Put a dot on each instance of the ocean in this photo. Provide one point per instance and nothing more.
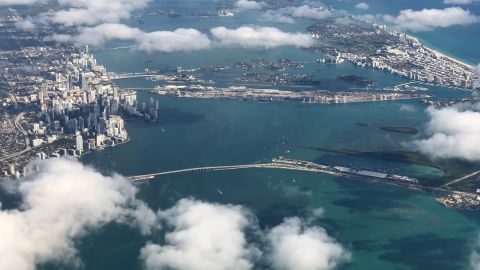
(384, 227)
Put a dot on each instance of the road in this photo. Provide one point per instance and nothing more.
(460, 179)
(18, 118)
(272, 165)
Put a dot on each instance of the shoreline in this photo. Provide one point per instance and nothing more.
(451, 58)
(439, 53)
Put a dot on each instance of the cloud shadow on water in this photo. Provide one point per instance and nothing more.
(429, 252)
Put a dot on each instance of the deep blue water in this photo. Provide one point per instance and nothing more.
(384, 227)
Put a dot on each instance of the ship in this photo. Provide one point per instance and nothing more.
(225, 13)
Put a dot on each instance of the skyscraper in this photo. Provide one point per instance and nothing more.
(79, 143)
(69, 82)
(83, 81)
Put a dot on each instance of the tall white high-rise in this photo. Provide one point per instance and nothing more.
(79, 142)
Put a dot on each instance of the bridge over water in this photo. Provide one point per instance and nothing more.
(307, 166)
(151, 176)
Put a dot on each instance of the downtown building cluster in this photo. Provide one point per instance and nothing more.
(66, 103)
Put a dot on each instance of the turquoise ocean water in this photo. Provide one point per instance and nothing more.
(384, 227)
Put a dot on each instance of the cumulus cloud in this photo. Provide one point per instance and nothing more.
(296, 246)
(458, 2)
(429, 19)
(275, 16)
(454, 134)
(187, 39)
(477, 69)
(17, 2)
(169, 41)
(287, 14)
(249, 5)
(259, 37)
(202, 236)
(66, 200)
(101, 34)
(181, 39)
(87, 12)
(59, 205)
(309, 12)
(362, 5)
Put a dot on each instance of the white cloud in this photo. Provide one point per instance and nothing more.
(170, 41)
(59, 205)
(275, 16)
(188, 39)
(309, 12)
(458, 2)
(362, 5)
(477, 69)
(287, 14)
(475, 256)
(296, 246)
(17, 2)
(101, 34)
(65, 201)
(259, 37)
(454, 134)
(162, 41)
(203, 236)
(407, 108)
(249, 5)
(87, 12)
(429, 19)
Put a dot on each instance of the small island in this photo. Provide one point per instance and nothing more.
(403, 130)
(356, 80)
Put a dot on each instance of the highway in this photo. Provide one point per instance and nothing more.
(18, 118)
(298, 165)
(460, 179)
(272, 165)
(121, 76)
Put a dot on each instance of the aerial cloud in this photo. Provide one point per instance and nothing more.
(83, 12)
(59, 205)
(65, 201)
(459, 2)
(477, 69)
(249, 5)
(287, 14)
(429, 19)
(259, 37)
(181, 39)
(202, 236)
(187, 39)
(297, 246)
(454, 134)
(17, 2)
(309, 12)
(278, 17)
(362, 5)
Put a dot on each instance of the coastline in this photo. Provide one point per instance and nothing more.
(451, 58)
(439, 53)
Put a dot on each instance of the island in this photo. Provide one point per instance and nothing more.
(403, 130)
